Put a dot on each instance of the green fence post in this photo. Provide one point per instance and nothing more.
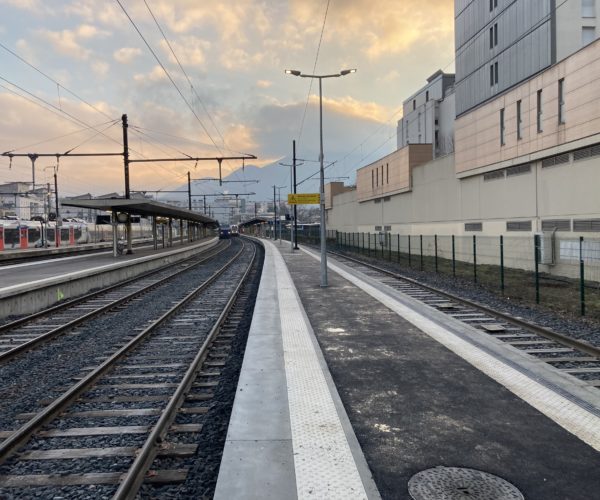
(502, 264)
(475, 258)
(436, 259)
(536, 247)
(421, 249)
(453, 258)
(581, 276)
(409, 253)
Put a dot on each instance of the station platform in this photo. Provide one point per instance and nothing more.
(349, 391)
(68, 276)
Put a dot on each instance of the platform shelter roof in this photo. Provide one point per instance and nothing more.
(253, 222)
(141, 207)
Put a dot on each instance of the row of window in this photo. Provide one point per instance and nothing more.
(578, 225)
(551, 161)
(375, 176)
(539, 113)
(507, 172)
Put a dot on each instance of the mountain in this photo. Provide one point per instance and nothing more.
(267, 176)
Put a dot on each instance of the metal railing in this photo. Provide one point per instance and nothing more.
(561, 272)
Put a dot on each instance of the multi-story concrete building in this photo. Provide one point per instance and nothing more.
(428, 115)
(526, 153)
(17, 198)
(500, 43)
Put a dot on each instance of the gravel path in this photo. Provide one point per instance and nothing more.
(53, 366)
(578, 328)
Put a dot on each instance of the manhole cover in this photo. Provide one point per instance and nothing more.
(455, 483)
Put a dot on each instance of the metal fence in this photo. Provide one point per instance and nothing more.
(560, 272)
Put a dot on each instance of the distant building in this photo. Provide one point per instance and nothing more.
(17, 198)
(428, 115)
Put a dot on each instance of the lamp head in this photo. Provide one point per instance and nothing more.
(347, 71)
(292, 72)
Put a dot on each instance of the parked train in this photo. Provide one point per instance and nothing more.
(21, 234)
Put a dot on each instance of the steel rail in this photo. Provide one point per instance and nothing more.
(51, 334)
(21, 435)
(78, 300)
(579, 345)
(145, 456)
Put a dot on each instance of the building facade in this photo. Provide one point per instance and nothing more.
(526, 159)
(428, 115)
(500, 43)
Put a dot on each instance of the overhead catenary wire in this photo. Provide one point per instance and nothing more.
(59, 85)
(314, 70)
(168, 74)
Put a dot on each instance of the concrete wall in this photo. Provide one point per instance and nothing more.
(477, 133)
(571, 18)
(441, 203)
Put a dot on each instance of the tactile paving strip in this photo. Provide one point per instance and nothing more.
(324, 464)
(573, 418)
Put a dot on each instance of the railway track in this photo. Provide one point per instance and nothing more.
(141, 405)
(33, 330)
(571, 356)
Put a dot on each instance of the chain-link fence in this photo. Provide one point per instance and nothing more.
(558, 271)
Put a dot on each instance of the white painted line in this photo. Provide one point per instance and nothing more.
(573, 418)
(55, 260)
(94, 270)
(325, 467)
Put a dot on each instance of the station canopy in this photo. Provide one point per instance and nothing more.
(141, 207)
(253, 222)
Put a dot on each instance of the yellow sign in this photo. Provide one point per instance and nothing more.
(304, 199)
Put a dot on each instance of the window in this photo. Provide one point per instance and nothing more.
(493, 36)
(491, 75)
(588, 8)
(539, 112)
(387, 173)
(518, 170)
(556, 225)
(586, 225)
(561, 100)
(492, 176)
(377, 177)
(493, 4)
(552, 161)
(496, 72)
(382, 175)
(519, 122)
(588, 35)
(521, 225)
(414, 104)
(502, 127)
(427, 96)
(372, 180)
(473, 226)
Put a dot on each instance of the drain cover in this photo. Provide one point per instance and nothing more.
(455, 483)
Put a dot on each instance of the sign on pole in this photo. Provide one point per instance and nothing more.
(304, 199)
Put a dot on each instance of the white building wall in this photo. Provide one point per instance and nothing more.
(427, 112)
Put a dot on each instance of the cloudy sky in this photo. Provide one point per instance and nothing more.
(88, 65)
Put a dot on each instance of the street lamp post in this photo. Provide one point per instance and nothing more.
(323, 230)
